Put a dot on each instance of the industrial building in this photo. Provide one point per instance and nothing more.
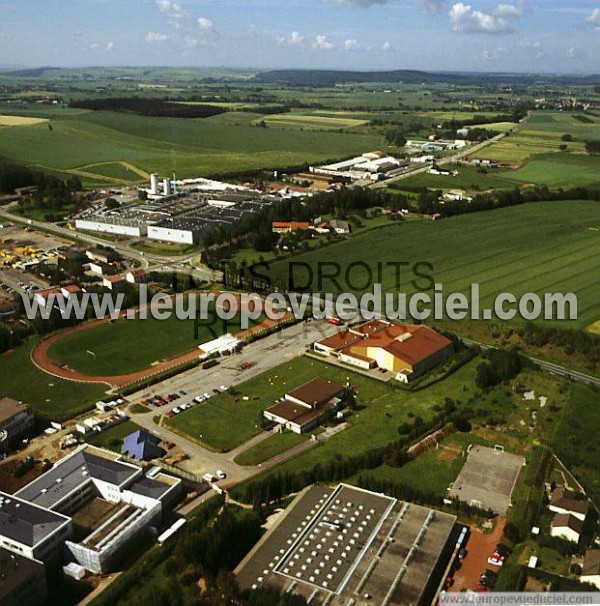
(192, 208)
(407, 350)
(345, 545)
(88, 507)
(371, 166)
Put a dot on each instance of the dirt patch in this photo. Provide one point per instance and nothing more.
(447, 454)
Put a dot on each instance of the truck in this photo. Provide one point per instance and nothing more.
(210, 364)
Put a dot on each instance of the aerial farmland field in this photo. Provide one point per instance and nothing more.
(505, 250)
(220, 144)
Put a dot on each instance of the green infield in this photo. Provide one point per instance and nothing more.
(220, 144)
(127, 346)
(227, 420)
(275, 445)
(52, 398)
(508, 250)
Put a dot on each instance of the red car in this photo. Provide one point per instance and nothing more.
(169, 414)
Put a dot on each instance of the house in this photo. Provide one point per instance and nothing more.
(288, 227)
(16, 422)
(305, 407)
(408, 351)
(566, 526)
(101, 254)
(142, 445)
(113, 282)
(136, 276)
(72, 289)
(565, 501)
(591, 568)
(41, 296)
(23, 580)
(340, 227)
(102, 269)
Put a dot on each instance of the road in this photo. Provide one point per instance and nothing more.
(146, 261)
(550, 367)
(265, 354)
(469, 150)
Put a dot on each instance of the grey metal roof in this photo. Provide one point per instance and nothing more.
(71, 473)
(25, 523)
(150, 488)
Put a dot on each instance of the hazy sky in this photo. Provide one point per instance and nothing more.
(511, 35)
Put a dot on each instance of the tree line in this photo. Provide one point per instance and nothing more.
(149, 107)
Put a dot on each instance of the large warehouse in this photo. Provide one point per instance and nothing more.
(344, 545)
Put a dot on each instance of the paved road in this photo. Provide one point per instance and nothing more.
(265, 354)
(146, 261)
(556, 369)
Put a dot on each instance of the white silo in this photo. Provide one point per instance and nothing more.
(167, 187)
(154, 184)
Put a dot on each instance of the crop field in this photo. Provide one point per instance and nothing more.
(7, 120)
(127, 346)
(187, 147)
(51, 397)
(310, 121)
(505, 250)
(560, 170)
(542, 134)
(469, 178)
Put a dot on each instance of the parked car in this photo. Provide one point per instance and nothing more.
(220, 474)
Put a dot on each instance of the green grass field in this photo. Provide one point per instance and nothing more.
(469, 178)
(223, 143)
(505, 250)
(50, 397)
(127, 346)
(223, 424)
(271, 447)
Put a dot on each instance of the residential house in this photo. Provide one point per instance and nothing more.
(566, 526)
(591, 568)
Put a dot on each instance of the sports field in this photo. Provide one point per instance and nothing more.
(94, 144)
(128, 346)
(51, 397)
(506, 250)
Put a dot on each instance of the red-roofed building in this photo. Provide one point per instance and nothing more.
(408, 351)
(72, 289)
(287, 227)
(136, 276)
(113, 282)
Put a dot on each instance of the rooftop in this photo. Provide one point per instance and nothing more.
(591, 563)
(25, 523)
(333, 544)
(566, 520)
(9, 408)
(73, 471)
(317, 391)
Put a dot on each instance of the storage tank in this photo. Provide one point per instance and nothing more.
(154, 184)
(167, 187)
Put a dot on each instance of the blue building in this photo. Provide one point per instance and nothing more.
(142, 445)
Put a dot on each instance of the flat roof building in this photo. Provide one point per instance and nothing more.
(345, 545)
